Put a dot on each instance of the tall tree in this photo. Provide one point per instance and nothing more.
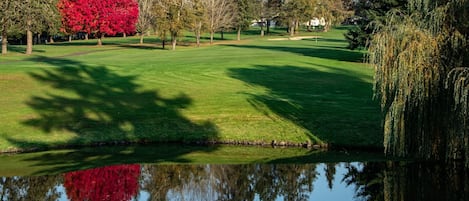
(197, 19)
(99, 17)
(220, 14)
(31, 15)
(267, 11)
(145, 17)
(422, 77)
(171, 16)
(274, 8)
(295, 12)
(8, 16)
(52, 23)
(333, 11)
(244, 15)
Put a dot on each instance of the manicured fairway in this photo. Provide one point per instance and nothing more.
(255, 90)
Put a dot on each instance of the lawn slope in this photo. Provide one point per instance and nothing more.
(253, 91)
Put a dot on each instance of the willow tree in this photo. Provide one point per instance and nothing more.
(422, 78)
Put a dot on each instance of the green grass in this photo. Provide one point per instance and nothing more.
(254, 90)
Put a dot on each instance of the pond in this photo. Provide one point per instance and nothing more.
(84, 175)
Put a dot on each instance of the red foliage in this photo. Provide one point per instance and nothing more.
(99, 16)
(113, 183)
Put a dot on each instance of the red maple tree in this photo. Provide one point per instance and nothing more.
(99, 17)
(113, 183)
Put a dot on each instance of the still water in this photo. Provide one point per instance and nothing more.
(321, 181)
(82, 176)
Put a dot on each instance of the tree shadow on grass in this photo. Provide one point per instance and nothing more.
(335, 106)
(97, 106)
(313, 51)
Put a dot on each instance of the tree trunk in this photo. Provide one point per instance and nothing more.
(297, 26)
(211, 37)
(309, 26)
(125, 35)
(29, 38)
(4, 41)
(51, 39)
(292, 30)
(100, 39)
(326, 27)
(262, 30)
(173, 40)
(86, 36)
(36, 39)
(268, 27)
(197, 37)
(141, 38)
(239, 33)
(69, 38)
(198, 32)
(222, 36)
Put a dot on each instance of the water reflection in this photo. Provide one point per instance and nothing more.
(118, 182)
(386, 181)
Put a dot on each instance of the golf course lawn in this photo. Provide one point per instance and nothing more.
(254, 90)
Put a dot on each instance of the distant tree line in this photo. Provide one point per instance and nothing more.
(168, 18)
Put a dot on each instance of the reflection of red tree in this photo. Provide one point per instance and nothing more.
(116, 183)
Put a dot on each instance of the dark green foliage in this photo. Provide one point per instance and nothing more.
(370, 17)
(357, 37)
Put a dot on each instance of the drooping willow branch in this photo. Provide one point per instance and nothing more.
(424, 95)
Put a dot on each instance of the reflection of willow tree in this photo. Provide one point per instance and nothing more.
(398, 181)
(119, 182)
(30, 188)
(421, 80)
(230, 182)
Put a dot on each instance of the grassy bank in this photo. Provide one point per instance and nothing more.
(255, 90)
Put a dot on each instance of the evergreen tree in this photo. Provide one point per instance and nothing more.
(244, 15)
(371, 16)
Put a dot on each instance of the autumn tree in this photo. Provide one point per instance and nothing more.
(172, 17)
(422, 78)
(99, 17)
(333, 11)
(220, 14)
(295, 12)
(197, 19)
